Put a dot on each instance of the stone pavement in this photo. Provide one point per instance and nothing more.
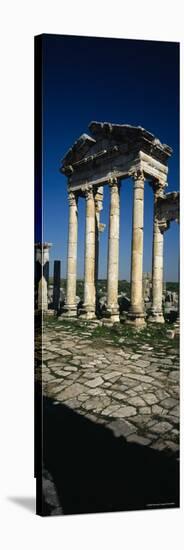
(133, 390)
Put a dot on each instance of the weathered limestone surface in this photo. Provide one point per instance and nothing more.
(136, 312)
(166, 209)
(42, 295)
(113, 252)
(98, 227)
(42, 259)
(71, 306)
(89, 269)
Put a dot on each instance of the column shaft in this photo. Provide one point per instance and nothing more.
(71, 306)
(136, 312)
(156, 312)
(157, 275)
(113, 252)
(89, 305)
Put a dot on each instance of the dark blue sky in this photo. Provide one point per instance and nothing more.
(121, 81)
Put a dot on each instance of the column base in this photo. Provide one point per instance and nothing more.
(156, 317)
(111, 316)
(87, 312)
(136, 318)
(69, 311)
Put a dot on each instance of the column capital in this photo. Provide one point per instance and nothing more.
(138, 178)
(88, 192)
(114, 184)
(72, 198)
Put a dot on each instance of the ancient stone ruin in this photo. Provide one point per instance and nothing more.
(110, 154)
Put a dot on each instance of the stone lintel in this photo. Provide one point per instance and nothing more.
(122, 168)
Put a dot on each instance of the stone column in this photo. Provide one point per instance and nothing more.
(70, 308)
(42, 260)
(136, 314)
(156, 312)
(113, 252)
(98, 228)
(56, 284)
(89, 306)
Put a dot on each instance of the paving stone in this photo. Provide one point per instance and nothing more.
(136, 401)
(145, 410)
(54, 388)
(134, 438)
(161, 427)
(161, 394)
(141, 378)
(169, 402)
(150, 398)
(96, 391)
(63, 373)
(48, 377)
(124, 411)
(83, 397)
(142, 363)
(71, 368)
(121, 428)
(156, 409)
(172, 446)
(94, 383)
(71, 391)
(96, 403)
(132, 393)
(159, 445)
(175, 411)
(110, 375)
(109, 410)
(119, 396)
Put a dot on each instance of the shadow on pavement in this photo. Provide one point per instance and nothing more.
(87, 469)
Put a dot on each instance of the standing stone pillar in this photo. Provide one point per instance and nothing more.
(56, 284)
(70, 308)
(98, 227)
(42, 274)
(89, 305)
(136, 314)
(156, 312)
(113, 252)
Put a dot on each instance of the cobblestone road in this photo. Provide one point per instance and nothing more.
(135, 392)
